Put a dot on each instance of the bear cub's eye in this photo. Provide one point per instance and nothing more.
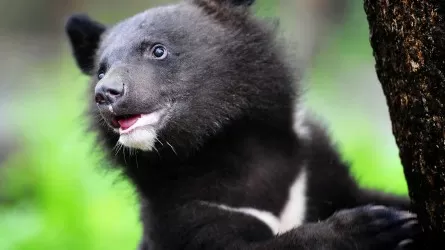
(159, 52)
(100, 75)
(101, 72)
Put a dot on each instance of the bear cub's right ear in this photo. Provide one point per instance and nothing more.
(84, 35)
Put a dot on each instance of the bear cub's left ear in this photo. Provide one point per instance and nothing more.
(227, 2)
(242, 2)
(84, 35)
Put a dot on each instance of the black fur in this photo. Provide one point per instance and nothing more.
(227, 136)
(84, 34)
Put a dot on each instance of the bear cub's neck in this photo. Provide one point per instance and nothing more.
(229, 159)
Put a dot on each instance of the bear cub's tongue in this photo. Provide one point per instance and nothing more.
(127, 122)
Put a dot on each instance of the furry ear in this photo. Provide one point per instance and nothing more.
(84, 35)
(241, 2)
(226, 2)
(226, 11)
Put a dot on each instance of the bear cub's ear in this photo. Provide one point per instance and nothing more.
(227, 2)
(240, 2)
(84, 35)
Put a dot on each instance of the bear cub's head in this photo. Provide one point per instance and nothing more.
(179, 74)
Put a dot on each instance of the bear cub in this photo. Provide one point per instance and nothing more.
(222, 155)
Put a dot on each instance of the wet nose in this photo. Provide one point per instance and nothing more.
(109, 92)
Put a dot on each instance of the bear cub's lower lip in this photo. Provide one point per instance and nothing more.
(128, 121)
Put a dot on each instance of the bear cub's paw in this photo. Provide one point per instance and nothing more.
(376, 227)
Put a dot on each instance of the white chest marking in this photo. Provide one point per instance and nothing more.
(290, 217)
(266, 217)
(293, 213)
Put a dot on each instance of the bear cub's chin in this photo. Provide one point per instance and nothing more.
(142, 138)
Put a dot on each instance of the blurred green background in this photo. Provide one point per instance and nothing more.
(54, 193)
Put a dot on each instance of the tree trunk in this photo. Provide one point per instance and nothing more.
(408, 39)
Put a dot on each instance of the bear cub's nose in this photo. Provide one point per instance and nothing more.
(109, 92)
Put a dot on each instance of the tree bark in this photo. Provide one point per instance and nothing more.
(408, 40)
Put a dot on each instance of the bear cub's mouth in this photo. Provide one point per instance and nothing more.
(124, 122)
(127, 123)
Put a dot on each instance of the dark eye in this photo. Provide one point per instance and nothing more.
(101, 71)
(159, 52)
(100, 75)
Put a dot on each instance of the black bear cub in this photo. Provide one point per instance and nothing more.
(222, 156)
